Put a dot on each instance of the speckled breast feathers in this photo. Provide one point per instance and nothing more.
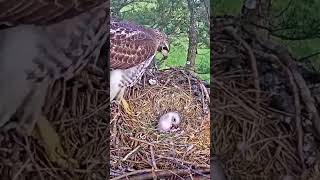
(133, 47)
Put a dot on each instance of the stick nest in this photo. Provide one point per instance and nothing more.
(79, 110)
(261, 108)
(136, 143)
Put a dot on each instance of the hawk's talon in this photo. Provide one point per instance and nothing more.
(126, 107)
(52, 144)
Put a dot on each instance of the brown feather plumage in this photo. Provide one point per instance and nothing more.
(131, 44)
(42, 12)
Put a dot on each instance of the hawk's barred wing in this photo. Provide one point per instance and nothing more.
(130, 45)
(15, 12)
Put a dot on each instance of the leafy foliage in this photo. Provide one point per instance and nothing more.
(295, 23)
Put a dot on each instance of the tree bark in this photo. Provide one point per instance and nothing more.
(256, 13)
(192, 34)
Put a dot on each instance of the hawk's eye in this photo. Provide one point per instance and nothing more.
(173, 120)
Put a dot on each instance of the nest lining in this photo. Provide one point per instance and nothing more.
(135, 141)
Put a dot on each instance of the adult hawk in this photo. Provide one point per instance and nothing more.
(42, 41)
(133, 48)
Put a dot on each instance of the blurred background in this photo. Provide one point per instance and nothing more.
(266, 59)
(295, 23)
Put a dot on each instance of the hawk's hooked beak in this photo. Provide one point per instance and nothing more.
(164, 54)
(165, 51)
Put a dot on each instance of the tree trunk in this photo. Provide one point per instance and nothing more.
(256, 13)
(192, 49)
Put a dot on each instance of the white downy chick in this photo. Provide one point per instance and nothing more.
(167, 121)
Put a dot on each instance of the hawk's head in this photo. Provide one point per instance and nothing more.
(164, 46)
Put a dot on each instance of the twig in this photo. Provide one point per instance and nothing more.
(182, 161)
(16, 176)
(253, 60)
(141, 141)
(309, 56)
(63, 98)
(284, 9)
(154, 164)
(130, 153)
(74, 99)
(299, 129)
(27, 148)
(148, 174)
